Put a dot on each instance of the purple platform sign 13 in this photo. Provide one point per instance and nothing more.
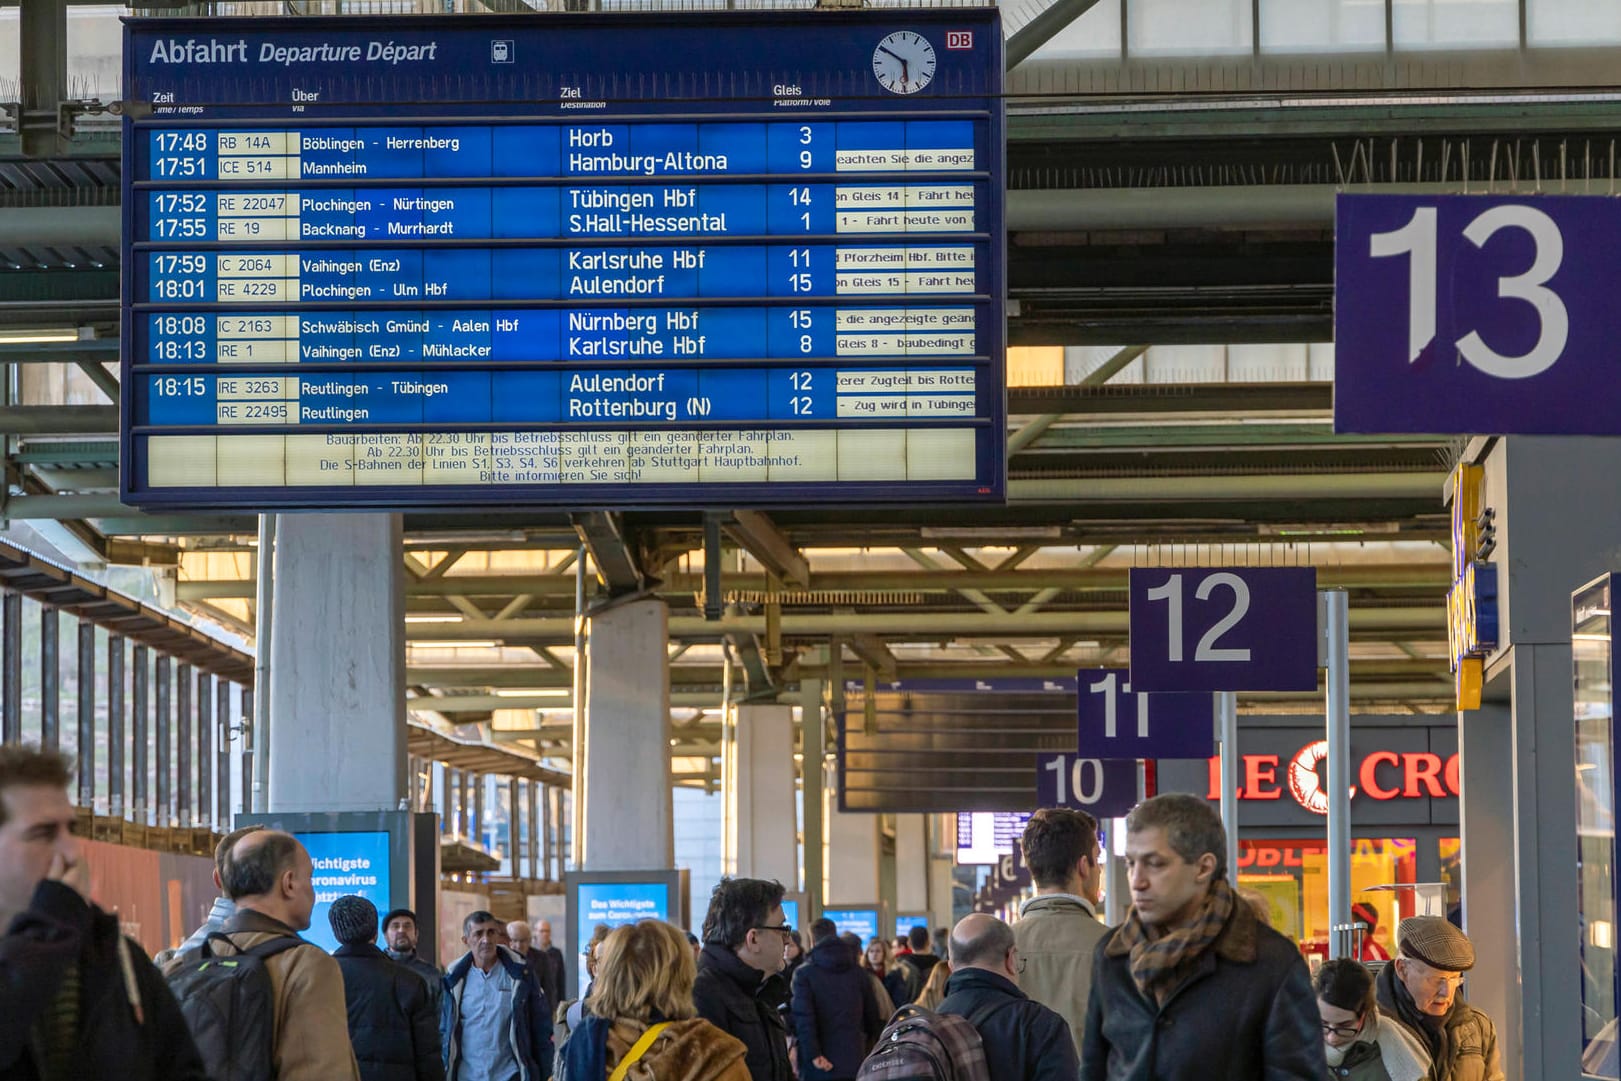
(1103, 787)
(1223, 628)
(1114, 722)
(1471, 314)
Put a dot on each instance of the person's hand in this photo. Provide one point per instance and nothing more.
(822, 1062)
(75, 874)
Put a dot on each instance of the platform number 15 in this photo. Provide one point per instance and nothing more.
(1417, 240)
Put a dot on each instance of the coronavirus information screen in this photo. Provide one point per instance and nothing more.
(570, 260)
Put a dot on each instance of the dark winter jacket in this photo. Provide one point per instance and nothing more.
(58, 929)
(836, 1013)
(1247, 1005)
(555, 980)
(1024, 1040)
(431, 974)
(529, 1032)
(391, 1017)
(1462, 1045)
(921, 965)
(743, 1002)
(900, 992)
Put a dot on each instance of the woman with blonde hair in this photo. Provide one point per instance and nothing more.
(934, 988)
(879, 959)
(642, 1025)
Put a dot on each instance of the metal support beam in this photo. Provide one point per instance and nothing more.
(603, 535)
(205, 751)
(1042, 29)
(1113, 366)
(115, 726)
(871, 649)
(87, 713)
(222, 771)
(43, 47)
(183, 745)
(140, 771)
(759, 536)
(59, 420)
(104, 380)
(163, 797)
(11, 668)
(50, 678)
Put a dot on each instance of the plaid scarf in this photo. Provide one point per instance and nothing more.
(1159, 965)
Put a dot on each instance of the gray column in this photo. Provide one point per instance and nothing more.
(163, 794)
(50, 679)
(625, 805)
(185, 797)
(222, 772)
(851, 871)
(140, 762)
(115, 726)
(762, 805)
(205, 751)
(337, 664)
(11, 668)
(911, 863)
(811, 796)
(87, 714)
(1490, 889)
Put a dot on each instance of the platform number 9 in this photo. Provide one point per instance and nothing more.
(1417, 240)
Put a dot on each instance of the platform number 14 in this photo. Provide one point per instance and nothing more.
(1418, 240)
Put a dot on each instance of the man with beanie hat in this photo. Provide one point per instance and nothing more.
(392, 1024)
(1420, 990)
(400, 944)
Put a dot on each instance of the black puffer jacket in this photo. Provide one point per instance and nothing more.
(391, 1017)
(59, 929)
(1247, 1009)
(1024, 1040)
(743, 1002)
(836, 1013)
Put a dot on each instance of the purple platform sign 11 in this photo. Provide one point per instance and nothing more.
(1473, 314)
(1115, 722)
(1223, 628)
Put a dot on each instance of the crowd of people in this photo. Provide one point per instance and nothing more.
(1192, 984)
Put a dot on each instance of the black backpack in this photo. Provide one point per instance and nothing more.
(225, 996)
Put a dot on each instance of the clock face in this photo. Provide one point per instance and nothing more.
(903, 62)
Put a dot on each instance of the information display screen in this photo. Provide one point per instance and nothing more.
(615, 904)
(987, 836)
(615, 260)
(861, 921)
(345, 863)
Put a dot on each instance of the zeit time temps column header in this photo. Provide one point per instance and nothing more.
(612, 260)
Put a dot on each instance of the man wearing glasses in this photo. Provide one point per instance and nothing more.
(1360, 1044)
(1024, 1040)
(740, 985)
(1420, 990)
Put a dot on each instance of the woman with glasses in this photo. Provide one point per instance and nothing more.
(643, 1025)
(1355, 1043)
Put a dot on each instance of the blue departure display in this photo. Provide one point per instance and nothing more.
(605, 263)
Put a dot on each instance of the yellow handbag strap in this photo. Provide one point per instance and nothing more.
(637, 1050)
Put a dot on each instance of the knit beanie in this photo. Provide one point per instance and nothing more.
(354, 919)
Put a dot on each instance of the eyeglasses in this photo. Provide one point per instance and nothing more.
(1345, 1029)
(783, 930)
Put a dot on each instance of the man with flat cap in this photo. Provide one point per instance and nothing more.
(1420, 990)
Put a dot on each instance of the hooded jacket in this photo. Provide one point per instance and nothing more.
(59, 929)
(311, 1026)
(691, 1050)
(1247, 1004)
(742, 1002)
(836, 1014)
(392, 1023)
(529, 1030)
(1462, 1046)
(1057, 935)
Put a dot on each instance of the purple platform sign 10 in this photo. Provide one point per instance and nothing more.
(1103, 787)
(1471, 314)
(1223, 628)
(1116, 722)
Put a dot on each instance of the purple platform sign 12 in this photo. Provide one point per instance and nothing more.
(1116, 722)
(1472, 314)
(1223, 628)
(1103, 787)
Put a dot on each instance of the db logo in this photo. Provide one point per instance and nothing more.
(959, 39)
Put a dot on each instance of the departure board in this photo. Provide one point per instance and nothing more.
(572, 260)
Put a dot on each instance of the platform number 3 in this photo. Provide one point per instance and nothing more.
(1417, 241)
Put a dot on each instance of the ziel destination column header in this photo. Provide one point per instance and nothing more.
(707, 258)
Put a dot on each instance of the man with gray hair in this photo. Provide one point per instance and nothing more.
(1024, 1040)
(1192, 981)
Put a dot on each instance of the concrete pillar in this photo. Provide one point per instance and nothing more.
(851, 870)
(811, 795)
(625, 804)
(942, 891)
(762, 804)
(337, 664)
(1486, 772)
(911, 863)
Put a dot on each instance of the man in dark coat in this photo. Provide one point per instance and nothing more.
(392, 1020)
(740, 985)
(494, 1021)
(400, 945)
(836, 1013)
(556, 977)
(919, 961)
(78, 1000)
(1024, 1040)
(1192, 982)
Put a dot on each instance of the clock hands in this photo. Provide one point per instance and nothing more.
(905, 67)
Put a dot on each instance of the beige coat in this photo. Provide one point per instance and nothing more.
(312, 1018)
(1057, 935)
